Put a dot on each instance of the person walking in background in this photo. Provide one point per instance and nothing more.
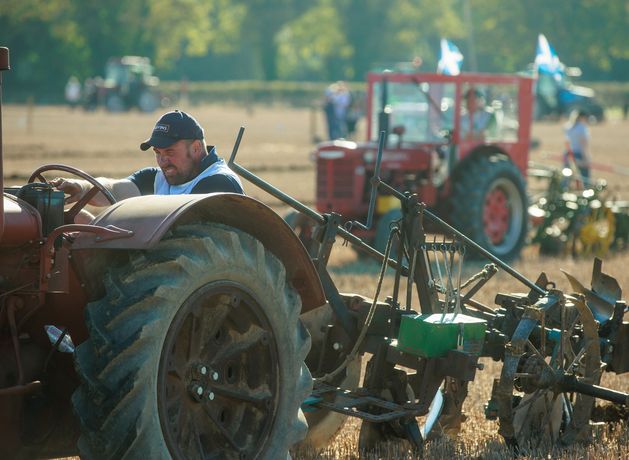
(73, 92)
(328, 111)
(90, 94)
(354, 113)
(341, 100)
(578, 145)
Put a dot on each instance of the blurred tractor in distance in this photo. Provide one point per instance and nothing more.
(129, 83)
(580, 221)
(461, 142)
(557, 96)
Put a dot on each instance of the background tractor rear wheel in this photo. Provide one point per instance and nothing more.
(195, 351)
(115, 103)
(489, 205)
(148, 101)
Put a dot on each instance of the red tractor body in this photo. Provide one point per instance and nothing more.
(431, 147)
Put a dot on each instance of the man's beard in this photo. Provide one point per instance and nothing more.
(180, 178)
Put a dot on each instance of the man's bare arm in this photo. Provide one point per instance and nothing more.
(77, 188)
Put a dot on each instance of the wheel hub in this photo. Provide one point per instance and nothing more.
(218, 377)
(496, 215)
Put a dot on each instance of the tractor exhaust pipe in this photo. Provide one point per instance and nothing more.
(4, 65)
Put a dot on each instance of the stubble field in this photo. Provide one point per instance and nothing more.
(277, 146)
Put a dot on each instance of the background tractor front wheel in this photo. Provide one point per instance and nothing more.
(195, 351)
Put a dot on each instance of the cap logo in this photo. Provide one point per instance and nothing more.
(159, 128)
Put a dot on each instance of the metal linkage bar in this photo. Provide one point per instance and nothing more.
(319, 219)
(376, 182)
(570, 382)
(362, 406)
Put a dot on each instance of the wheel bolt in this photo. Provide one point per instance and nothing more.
(196, 391)
(210, 396)
(202, 369)
(214, 375)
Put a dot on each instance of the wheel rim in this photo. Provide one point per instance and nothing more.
(545, 414)
(214, 399)
(502, 215)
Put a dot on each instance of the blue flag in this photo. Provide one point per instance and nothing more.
(450, 58)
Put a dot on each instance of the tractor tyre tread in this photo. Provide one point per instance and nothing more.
(116, 402)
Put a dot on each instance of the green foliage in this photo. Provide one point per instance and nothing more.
(295, 40)
(306, 44)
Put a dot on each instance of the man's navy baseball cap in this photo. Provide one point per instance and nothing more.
(172, 127)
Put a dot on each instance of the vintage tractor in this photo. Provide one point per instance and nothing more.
(460, 142)
(557, 96)
(173, 327)
(167, 328)
(130, 83)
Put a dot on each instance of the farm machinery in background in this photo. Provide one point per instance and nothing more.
(555, 93)
(129, 83)
(557, 96)
(474, 179)
(570, 217)
(173, 327)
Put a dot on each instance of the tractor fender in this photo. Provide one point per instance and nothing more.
(150, 217)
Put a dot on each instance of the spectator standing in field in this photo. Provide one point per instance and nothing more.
(328, 111)
(90, 94)
(341, 100)
(578, 145)
(354, 112)
(73, 92)
(185, 165)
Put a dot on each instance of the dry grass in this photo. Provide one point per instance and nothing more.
(277, 146)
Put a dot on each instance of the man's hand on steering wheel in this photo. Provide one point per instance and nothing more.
(82, 191)
(75, 188)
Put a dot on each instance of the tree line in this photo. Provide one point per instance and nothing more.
(318, 40)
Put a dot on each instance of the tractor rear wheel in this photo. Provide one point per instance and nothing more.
(489, 205)
(195, 351)
(148, 101)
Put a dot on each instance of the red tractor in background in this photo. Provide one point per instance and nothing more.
(460, 142)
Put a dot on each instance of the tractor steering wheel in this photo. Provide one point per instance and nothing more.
(71, 213)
